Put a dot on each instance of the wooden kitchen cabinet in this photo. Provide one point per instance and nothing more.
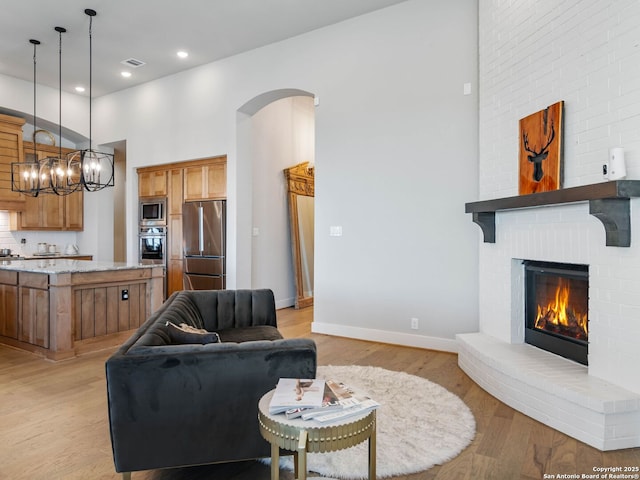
(206, 182)
(9, 304)
(174, 232)
(33, 317)
(175, 255)
(74, 211)
(24, 307)
(152, 183)
(175, 191)
(49, 211)
(11, 150)
(175, 280)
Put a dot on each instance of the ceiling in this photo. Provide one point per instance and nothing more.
(151, 31)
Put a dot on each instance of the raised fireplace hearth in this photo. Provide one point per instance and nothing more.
(556, 308)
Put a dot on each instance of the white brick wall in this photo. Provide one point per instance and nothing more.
(535, 53)
(587, 53)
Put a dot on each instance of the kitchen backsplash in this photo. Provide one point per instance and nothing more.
(9, 239)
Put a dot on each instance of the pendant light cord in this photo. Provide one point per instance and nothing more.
(60, 30)
(34, 84)
(35, 43)
(90, 76)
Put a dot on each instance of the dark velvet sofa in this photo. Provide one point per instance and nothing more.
(177, 404)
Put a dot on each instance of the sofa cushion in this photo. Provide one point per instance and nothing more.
(183, 333)
(249, 334)
(181, 309)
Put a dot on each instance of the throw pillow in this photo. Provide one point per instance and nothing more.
(184, 333)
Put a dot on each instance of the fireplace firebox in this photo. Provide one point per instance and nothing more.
(556, 308)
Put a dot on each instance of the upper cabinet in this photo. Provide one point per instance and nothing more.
(10, 151)
(152, 183)
(206, 182)
(204, 179)
(47, 211)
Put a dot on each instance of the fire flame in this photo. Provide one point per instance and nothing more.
(558, 315)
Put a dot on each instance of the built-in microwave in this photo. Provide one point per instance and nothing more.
(153, 211)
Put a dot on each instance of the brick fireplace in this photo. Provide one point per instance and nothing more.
(598, 404)
(584, 52)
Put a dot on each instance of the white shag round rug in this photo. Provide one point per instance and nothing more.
(419, 424)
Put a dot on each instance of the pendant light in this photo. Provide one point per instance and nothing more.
(96, 167)
(59, 175)
(25, 176)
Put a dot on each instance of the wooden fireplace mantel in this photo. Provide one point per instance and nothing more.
(608, 202)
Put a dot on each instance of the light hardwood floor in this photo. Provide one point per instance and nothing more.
(53, 420)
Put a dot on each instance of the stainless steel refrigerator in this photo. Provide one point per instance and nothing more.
(204, 236)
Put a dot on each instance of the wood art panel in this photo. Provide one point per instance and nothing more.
(541, 145)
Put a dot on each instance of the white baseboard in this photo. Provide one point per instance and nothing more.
(285, 303)
(385, 336)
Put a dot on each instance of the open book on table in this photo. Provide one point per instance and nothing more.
(291, 393)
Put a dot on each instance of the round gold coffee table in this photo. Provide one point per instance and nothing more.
(302, 436)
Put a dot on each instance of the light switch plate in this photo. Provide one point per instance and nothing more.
(335, 230)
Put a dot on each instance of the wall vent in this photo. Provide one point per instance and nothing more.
(132, 62)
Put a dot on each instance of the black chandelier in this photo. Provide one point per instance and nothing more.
(82, 169)
(25, 176)
(96, 167)
(58, 174)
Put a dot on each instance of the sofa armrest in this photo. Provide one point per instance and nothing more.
(180, 405)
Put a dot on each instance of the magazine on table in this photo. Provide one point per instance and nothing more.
(330, 401)
(296, 393)
(364, 406)
(339, 401)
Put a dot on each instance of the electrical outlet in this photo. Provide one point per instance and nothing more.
(125, 294)
(414, 323)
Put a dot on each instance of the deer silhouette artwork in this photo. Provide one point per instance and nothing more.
(538, 156)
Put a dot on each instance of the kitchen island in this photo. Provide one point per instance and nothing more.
(60, 308)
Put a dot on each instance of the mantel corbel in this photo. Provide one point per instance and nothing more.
(614, 213)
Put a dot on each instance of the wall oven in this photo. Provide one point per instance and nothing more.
(152, 245)
(152, 211)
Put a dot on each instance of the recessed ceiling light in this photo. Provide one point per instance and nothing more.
(125, 74)
(182, 54)
(79, 89)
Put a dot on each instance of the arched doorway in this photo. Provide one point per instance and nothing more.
(277, 133)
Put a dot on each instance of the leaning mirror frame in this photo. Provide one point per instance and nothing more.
(300, 183)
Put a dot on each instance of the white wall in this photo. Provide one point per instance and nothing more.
(282, 135)
(396, 159)
(16, 96)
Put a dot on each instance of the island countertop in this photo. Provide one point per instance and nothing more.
(65, 265)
